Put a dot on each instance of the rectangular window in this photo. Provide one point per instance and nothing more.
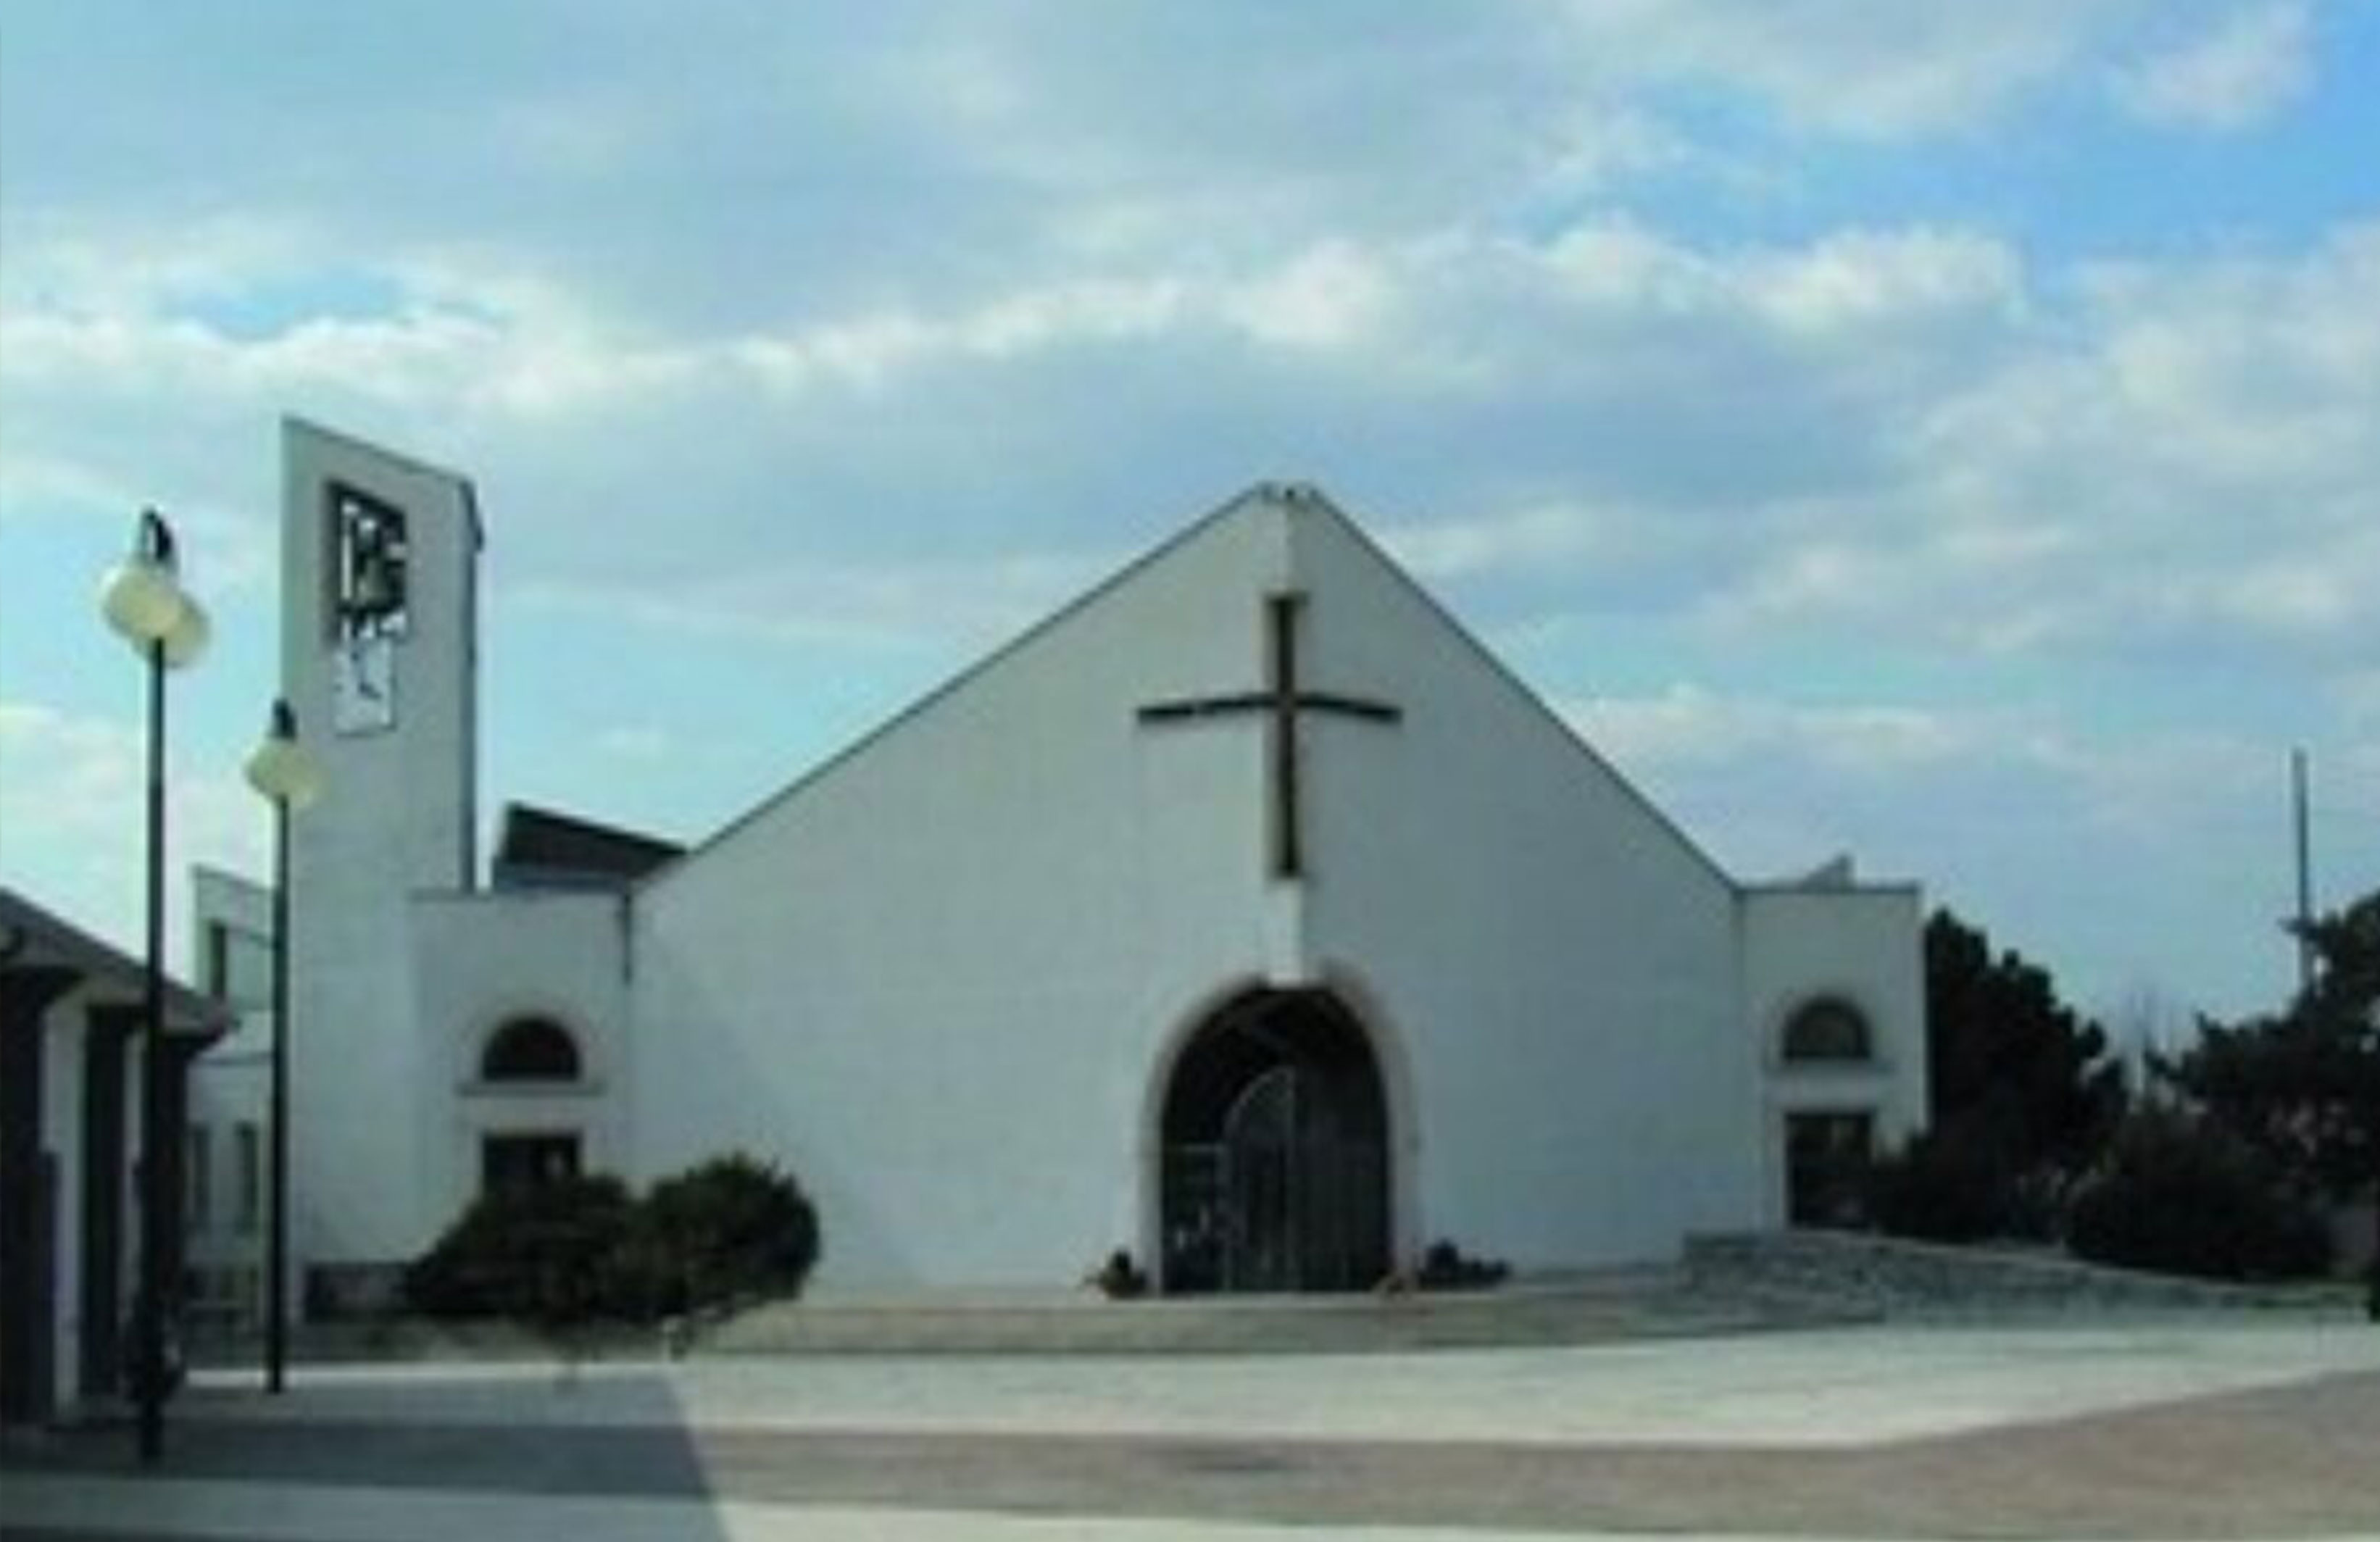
(366, 574)
(249, 1155)
(514, 1164)
(1827, 1158)
(197, 1180)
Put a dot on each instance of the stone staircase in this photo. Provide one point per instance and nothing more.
(1753, 1283)
(1602, 1306)
(1747, 1283)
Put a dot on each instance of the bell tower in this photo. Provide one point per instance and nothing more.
(379, 658)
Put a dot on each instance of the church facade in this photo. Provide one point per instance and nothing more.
(1247, 915)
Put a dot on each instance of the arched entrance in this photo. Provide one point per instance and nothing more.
(1275, 1172)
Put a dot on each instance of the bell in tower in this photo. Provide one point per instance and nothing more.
(368, 608)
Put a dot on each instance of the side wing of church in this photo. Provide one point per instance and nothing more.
(1246, 915)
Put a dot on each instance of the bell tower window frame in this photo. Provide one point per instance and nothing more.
(367, 557)
(366, 576)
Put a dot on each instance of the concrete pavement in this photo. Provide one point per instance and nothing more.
(2167, 1426)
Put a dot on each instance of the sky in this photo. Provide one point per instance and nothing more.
(1947, 434)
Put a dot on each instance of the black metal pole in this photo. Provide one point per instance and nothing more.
(277, 1263)
(158, 1209)
(2306, 869)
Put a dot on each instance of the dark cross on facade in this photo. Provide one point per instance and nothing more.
(1283, 702)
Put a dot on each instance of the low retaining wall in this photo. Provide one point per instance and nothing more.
(1900, 1278)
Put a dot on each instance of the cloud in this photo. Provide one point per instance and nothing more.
(2242, 71)
(72, 804)
(2183, 464)
(1722, 340)
(1841, 280)
(1563, 536)
(1898, 431)
(1948, 794)
(1841, 66)
(1333, 294)
(1856, 278)
(1689, 725)
(889, 606)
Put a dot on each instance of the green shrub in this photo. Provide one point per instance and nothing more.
(1940, 1188)
(1119, 1279)
(578, 1248)
(730, 1228)
(1445, 1266)
(1954, 1185)
(538, 1255)
(2179, 1194)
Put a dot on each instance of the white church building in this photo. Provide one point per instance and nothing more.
(1246, 915)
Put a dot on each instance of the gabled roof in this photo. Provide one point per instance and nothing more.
(952, 686)
(32, 938)
(1299, 500)
(1568, 732)
(543, 848)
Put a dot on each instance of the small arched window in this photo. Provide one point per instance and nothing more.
(1827, 1030)
(531, 1049)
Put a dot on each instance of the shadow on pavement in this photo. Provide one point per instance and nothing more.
(339, 1439)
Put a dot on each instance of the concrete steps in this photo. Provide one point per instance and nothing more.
(1590, 1309)
(1725, 1285)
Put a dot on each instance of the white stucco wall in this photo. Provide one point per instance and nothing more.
(63, 1028)
(940, 979)
(1862, 944)
(943, 978)
(935, 977)
(1556, 960)
(486, 958)
(66, 1026)
(397, 816)
(230, 1085)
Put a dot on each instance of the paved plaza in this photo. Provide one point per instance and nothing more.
(2166, 1427)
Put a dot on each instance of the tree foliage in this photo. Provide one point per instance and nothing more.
(578, 1248)
(2015, 1073)
(2303, 1087)
(1940, 1188)
(2181, 1195)
(537, 1255)
(732, 1228)
(2022, 1096)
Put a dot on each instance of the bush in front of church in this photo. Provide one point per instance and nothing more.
(538, 1255)
(732, 1228)
(1946, 1186)
(2179, 1194)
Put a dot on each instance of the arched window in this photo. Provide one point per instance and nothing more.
(1829, 1029)
(531, 1049)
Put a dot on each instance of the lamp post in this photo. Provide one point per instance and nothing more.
(287, 774)
(144, 601)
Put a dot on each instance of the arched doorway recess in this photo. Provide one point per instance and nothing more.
(1275, 1130)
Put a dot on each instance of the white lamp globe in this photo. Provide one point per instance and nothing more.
(186, 638)
(140, 599)
(280, 767)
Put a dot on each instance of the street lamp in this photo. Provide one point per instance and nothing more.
(287, 774)
(143, 600)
